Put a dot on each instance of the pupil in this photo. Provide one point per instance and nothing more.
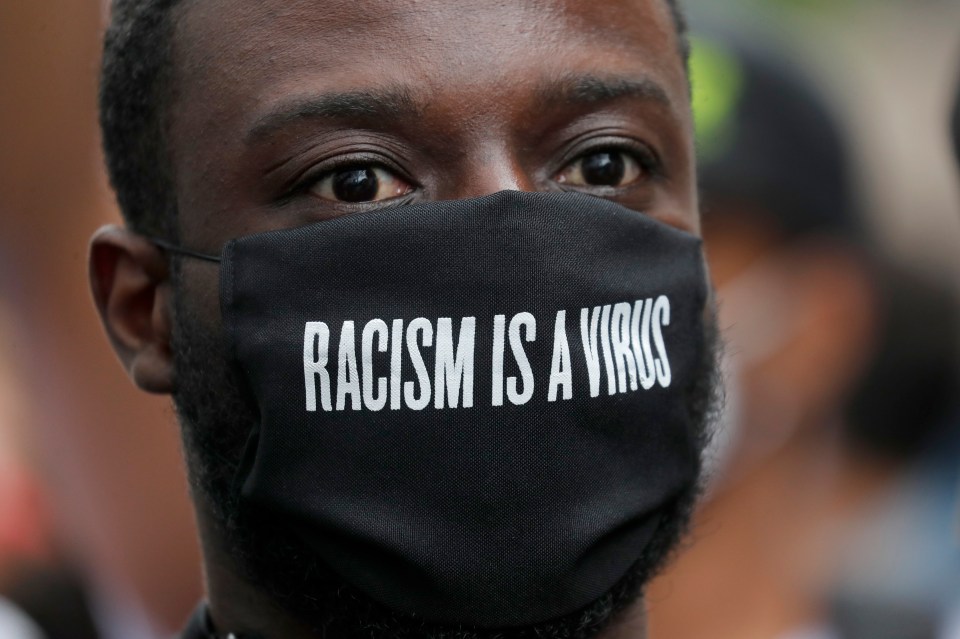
(603, 169)
(356, 185)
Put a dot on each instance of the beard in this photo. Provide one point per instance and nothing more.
(217, 417)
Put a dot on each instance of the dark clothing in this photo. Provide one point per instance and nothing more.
(53, 597)
(199, 626)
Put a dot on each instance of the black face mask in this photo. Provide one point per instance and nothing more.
(474, 411)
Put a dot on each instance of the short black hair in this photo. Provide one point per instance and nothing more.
(135, 93)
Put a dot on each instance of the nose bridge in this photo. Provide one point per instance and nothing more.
(488, 168)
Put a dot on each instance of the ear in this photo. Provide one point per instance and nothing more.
(129, 278)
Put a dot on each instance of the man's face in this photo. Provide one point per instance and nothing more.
(445, 100)
(286, 112)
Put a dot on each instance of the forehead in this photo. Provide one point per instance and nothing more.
(413, 28)
(247, 54)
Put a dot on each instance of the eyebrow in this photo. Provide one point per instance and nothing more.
(367, 105)
(586, 89)
(394, 102)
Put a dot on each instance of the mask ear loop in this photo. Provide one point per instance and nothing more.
(179, 250)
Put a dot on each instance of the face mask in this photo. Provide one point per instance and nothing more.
(474, 411)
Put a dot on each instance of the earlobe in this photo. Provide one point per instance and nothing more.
(129, 278)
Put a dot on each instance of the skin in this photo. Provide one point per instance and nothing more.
(467, 99)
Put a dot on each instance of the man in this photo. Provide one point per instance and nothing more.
(380, 439)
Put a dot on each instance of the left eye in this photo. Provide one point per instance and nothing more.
(360, 184)
(601, 168)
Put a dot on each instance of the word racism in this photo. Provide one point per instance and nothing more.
(624, 340)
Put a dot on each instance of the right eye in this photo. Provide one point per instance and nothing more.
(607, 168)
(356, 184)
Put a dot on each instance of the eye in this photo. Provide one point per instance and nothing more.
(609, 168)
(360, 184)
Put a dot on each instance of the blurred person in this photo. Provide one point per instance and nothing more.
(897, 572)
(24, 518)
(23, 530)
(106, 457)
(336, 255)
(39, 592)
(834, 381)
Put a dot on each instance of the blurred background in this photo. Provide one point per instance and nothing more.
(831, 201)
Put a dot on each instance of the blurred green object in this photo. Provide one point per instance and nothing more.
(767, 136)
(717, 80)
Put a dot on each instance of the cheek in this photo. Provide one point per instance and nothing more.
(686, 198)
(198, 294)
(693, 206)
(679, 208)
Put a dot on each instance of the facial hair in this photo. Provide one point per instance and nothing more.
(217, 417)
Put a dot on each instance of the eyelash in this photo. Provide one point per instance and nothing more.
(308, 179)
(646, 158)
